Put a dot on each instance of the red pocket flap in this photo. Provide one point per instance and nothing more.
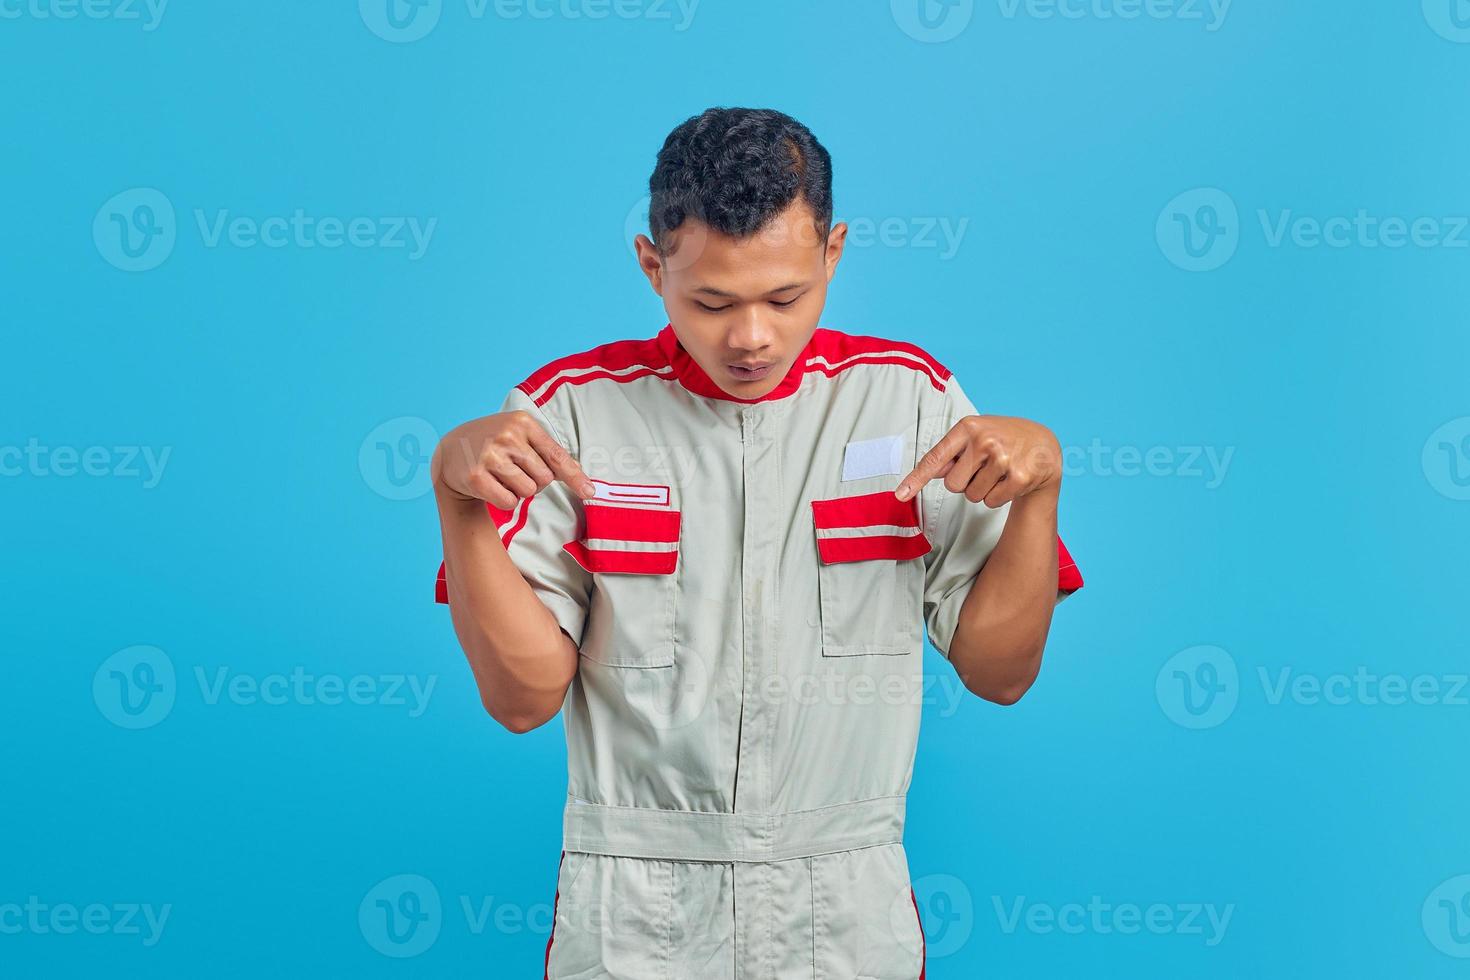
(627, 541)
(866, 508)
(631, 523)
(867, 527)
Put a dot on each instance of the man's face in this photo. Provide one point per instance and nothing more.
(745, 307)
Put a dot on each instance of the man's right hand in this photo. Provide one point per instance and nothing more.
(501, 459)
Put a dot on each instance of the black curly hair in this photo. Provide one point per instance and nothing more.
(736, 169)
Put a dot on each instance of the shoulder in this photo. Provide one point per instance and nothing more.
(834, 352)
(614, 362)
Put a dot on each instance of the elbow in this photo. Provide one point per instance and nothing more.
(517, 722)
(520, 724)
(1002, 694)
(1004, 687)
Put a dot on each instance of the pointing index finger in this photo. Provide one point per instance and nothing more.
(561, 463)
(932, 465)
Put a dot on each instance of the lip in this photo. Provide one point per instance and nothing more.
(750, 372)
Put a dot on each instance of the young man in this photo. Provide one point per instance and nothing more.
(712, 550)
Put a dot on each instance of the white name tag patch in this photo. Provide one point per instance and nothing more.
(630, 493)
(873, 457)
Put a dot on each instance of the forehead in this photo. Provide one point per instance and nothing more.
(785, 249)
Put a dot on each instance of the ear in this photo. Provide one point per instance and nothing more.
(836, 239)
(650, 262)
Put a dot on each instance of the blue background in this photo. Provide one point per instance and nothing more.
(1334, 541)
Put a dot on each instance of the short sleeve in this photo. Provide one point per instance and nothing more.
(962, 533)
(534, 532)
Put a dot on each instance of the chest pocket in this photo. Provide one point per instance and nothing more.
(869, 576)
(632, 553)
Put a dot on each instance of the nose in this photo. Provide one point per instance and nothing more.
(753, 333)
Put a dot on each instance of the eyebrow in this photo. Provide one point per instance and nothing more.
(712, 291)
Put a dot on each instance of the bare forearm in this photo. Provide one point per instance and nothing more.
(521, 659)
(1004, 620)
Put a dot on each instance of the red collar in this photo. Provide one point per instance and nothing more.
(694, 378)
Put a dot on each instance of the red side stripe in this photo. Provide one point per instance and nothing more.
(631, 523)
(923, 942)
(891, 546)
(546, 967)
(1069, 577)
(500, 517)
(609, 562)
(865, 509)
(507, 535)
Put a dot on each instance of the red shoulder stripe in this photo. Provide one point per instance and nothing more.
(599, 362)
(834, 345)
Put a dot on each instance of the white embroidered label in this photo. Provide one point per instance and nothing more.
(630, 493)
(873, 457)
